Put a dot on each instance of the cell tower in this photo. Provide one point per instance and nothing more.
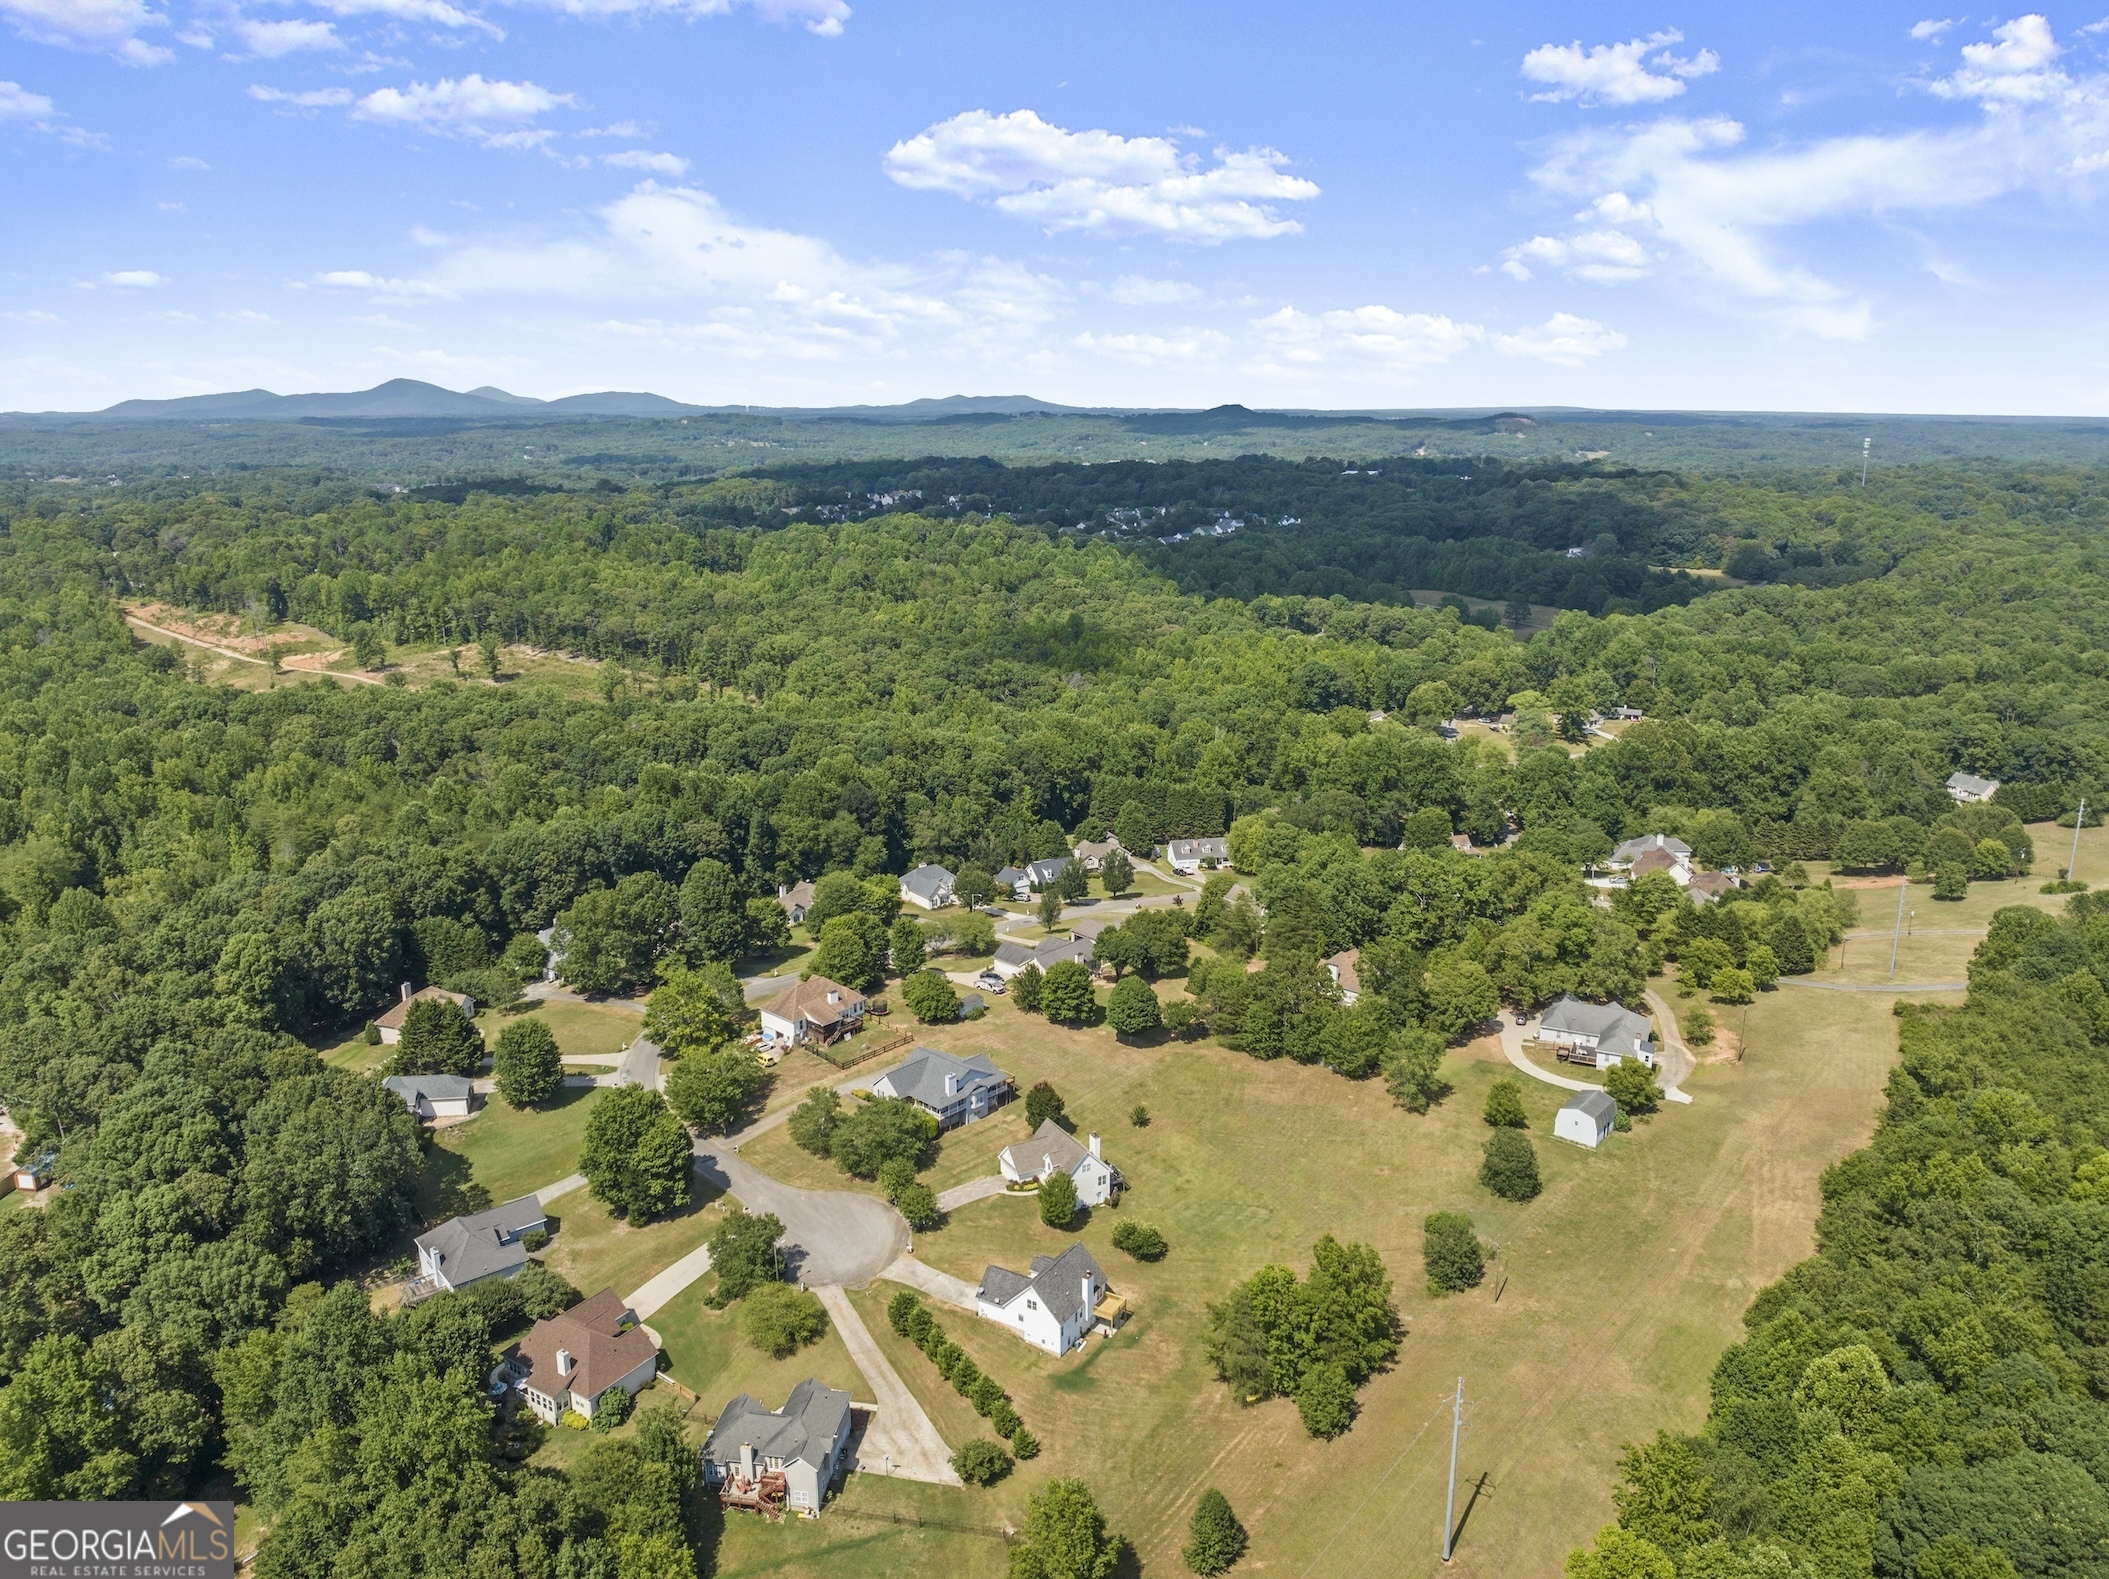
(1865, 446)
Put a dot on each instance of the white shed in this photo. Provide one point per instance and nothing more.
(1586, 1118)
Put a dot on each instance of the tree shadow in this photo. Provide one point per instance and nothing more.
(448, 1187)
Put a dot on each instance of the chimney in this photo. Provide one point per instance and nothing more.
(951, 1085)
(782, 892)
(1088, 1300)
(406, 992)
(1094, 1147)
(747, 1461)
(565, 1363)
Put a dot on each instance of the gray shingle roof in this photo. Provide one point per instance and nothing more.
(434, 1088)
(806, 1429)
(1971, 784)
(1617, 1029)
(1049, 951)
(1199, 849)
(928, 882)
(1056, 1281)
(1047, 871)
(1009, 877)
(1633, 849)
(922, 1078)
(484, 1244)
(1598, 1105)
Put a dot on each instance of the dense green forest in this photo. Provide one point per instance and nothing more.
(192, 878)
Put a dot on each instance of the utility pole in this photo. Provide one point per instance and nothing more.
(1903, 888)
(1865, 446)
(2079, 822)
(1457, 1421)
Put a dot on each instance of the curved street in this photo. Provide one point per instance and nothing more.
(830, 1236)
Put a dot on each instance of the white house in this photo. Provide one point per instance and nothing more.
(1043, 874)
(954, 1091)
(1346, 970)
(1053, 1306)
(1053, 1149)
(1187, 855)
(1653, 852)
(1603, 1033)
(573, 1359)
(1585, 1118)
(1011, 957)
(434, 1096)
(465, 1250)
(1014, 882)
(815, 1009)
(1968, 789)
(929, 887)
(789, 1457)
(796, 900)
(1093, 853)
(390, 1025)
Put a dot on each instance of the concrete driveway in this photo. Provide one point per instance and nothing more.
(830, 1236)
(1672, 1066)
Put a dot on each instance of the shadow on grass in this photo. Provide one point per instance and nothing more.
(448, 1187)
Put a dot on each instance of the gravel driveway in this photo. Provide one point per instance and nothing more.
(830, 1236)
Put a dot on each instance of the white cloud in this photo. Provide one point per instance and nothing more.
(380, 287)
(270, 40)
(440, 13)
(1373, 336)
(614, 129)
(1695, 202)
(31, 315)
(1563, 339)
(312, 99)
(100, 26)
(1181, 347)
(467, 106)
(17, 103)
(188, 162)
(638, 159)
(135, 279)
(1931, 29)
(1616, 73)
(1098, 181)
(1136, 290)
(246, 316)
(824, 17)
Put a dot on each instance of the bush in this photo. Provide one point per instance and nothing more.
(1140, 1240)
(1215, 1539)
(1632, 1086)
(918, 1204)
(1004, 1421)
(930, 997)
(981, 1462)
(920, 1323)
(1024, 1445)
(900, 1311)
(985, 1395)
(813, 1121)
(1042, 1103)
(1504, 1109)
(535, 1240)
(373, 1034)
(1326, 1400)
(1509, 1166)
(543, 1293)
(612, 1408)
(1699, 1025)
(780, 1320)
(526, 1061)
(1058, 1200)
(1139, 1116)
(964, 1373)
(1025, 988)
(1450, 1252)
(572, 1420)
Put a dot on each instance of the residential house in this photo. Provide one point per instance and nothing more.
(1602, 1034)
(34, 1174)
(1053, 1149)
(954, 1091)
(929, 887)
(768, 1459)
(815, 1009)
(1968, 789)
(1043, 874)
(1053, 1306)
(434, 1096)
(1093, 854)
(390, 1024)
(1188, 856)
(1014, 882)
(1586, 1118)
(1012, 957)
(1462, 844)
(1627, 714)
(575, 1358)
(1633, 849)
(468, 1249)
(1636, 858)
(1345, 969)
(1706, 887)
(796, 900)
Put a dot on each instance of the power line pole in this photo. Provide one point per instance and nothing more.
(1865, 446)
(2072, 866)
(1457, 1421)
(1903, 888)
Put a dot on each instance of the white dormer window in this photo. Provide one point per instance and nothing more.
(1032, 1304)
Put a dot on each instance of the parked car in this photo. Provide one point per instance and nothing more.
(1523, 1019)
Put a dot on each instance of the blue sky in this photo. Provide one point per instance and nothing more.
(820, 201)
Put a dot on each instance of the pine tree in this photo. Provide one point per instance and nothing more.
(1215, 1538)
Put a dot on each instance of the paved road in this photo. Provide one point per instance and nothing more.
(557, 992)
(972, 1190)
(942, 1286)
(1894, 986)
(639, 1066)
(860, 1081)
(830, 1236)
(900, 1440)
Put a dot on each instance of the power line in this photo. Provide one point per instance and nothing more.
(2072, 866)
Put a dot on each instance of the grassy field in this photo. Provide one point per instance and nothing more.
(1632, 1270)
(504, 1152)
(709, 1355)
(578, 1027)
(595, 1251)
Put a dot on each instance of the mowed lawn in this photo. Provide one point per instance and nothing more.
(1617, 1290)
(502, 1152)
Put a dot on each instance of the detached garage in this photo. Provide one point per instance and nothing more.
(1586, 1118)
